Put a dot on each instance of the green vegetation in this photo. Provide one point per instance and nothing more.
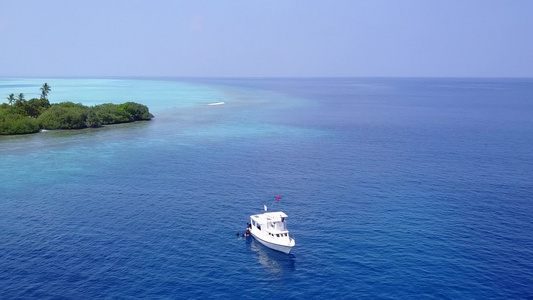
(19, 116)
(13, 123)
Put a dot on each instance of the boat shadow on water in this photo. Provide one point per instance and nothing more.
(274, 261)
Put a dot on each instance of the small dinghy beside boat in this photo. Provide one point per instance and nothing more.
(270, 229)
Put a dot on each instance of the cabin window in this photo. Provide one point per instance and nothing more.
(253, 222)
(277, 235)
(285, 234)
(258, 226)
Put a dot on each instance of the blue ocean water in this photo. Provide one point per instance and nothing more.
(395, 189)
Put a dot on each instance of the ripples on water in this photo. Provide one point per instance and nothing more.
(400, 189)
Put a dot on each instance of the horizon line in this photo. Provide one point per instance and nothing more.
(259, 77)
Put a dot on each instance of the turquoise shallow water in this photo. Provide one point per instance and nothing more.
(395, 189)
(160, 94)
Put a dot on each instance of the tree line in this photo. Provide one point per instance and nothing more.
(21, 116)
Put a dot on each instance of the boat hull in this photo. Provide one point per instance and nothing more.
(281, 248)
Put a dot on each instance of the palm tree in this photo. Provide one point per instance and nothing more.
(45, 89)
(11, 98)
(21, 98)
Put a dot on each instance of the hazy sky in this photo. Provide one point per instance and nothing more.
(267, 38)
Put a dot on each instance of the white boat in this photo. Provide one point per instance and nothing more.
(270, 229)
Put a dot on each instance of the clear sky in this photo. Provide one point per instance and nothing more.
(241, 38)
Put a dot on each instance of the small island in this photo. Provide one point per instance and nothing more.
(21, 116)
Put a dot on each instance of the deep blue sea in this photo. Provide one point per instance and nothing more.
(395, 189)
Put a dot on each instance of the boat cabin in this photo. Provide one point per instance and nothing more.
(272, 224)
